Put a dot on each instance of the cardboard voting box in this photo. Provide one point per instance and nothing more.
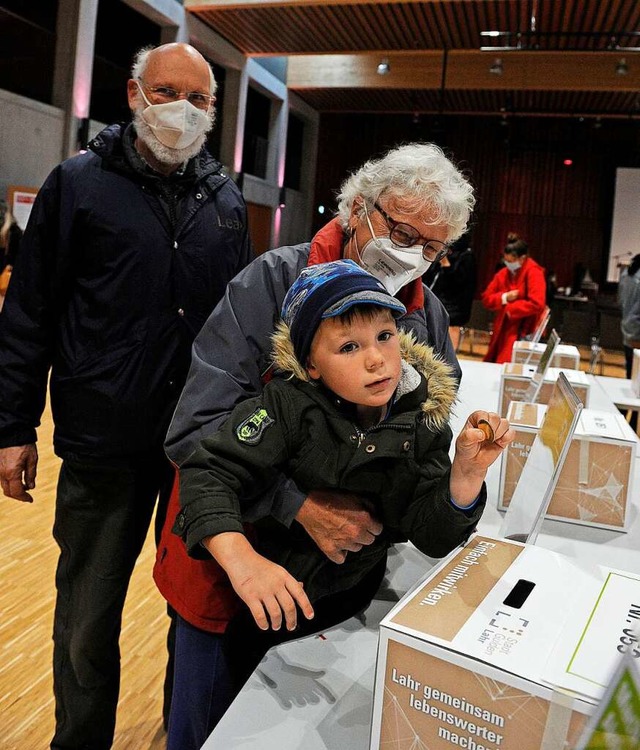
(635, 373)
(565, 356)
(595, 484)
(503, 646)
(515, 379)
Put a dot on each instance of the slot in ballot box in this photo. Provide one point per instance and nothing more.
(565, 356)
(503, 646)
(515, 380)
(595, 483)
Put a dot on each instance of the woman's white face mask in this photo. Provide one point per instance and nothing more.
(394, 266)
(175, 124)
(513, 265)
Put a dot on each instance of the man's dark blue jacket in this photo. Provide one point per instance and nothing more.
(118, 270)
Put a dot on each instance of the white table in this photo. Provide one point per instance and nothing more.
(317, 693)
(619, 390)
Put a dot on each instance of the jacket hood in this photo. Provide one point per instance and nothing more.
(441, 386)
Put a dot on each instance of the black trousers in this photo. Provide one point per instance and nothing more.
(628, 361)
(103, 513)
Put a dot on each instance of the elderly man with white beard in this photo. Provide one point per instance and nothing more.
(128, 249)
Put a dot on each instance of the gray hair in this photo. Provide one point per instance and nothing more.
(141, 60)
(421, 179)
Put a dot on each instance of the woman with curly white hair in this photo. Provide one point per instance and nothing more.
(396, 215)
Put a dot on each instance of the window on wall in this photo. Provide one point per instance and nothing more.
(293, 163)
(27, 47)
(112, 61)
(256, 134)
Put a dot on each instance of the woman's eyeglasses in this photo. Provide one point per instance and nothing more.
(165, 94)
(404, 235)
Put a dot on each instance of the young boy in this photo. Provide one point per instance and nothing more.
(364, 409)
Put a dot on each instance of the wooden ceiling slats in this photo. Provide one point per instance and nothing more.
(417, 32)
(477, 102)
(342, 22)
(378, 26)
(568, 23)
(384, 31)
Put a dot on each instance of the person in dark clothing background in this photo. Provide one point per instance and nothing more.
(128, 248)
(454, 281)
(629, 299)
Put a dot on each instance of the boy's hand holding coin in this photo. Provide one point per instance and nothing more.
(483, 438)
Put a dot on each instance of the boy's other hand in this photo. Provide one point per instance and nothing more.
(270, 592)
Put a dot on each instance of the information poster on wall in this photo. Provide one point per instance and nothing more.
(21, 200)
(625, 227)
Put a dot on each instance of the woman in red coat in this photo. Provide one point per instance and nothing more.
(517, 296)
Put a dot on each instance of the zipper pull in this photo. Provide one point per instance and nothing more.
(357, 436)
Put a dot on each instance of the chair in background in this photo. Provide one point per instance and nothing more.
(480, 323)
(580, 328)
(609, 337)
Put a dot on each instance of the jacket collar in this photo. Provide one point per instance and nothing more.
(115, 145)
(441, 386)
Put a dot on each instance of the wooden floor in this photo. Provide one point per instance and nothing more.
(27, 570)
(611, 362)
(27, 567)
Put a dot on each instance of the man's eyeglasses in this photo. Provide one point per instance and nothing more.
(404, 235)
(165, 94)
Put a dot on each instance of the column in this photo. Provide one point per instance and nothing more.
(73, 70)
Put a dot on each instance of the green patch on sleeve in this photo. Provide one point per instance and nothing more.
(251, 430)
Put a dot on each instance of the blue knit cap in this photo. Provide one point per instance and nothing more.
(326, 290)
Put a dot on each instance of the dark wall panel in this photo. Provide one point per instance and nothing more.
(518, 170)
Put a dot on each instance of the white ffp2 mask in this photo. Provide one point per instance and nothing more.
(394, 266)
(175, 124)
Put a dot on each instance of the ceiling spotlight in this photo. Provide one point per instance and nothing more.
(383, 67)
(496, 67)
(621, 67)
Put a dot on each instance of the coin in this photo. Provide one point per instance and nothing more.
(487, 429)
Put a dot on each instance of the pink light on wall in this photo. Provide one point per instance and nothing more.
(81, 94)
(85, 49)
(277, 222)
(237, 156)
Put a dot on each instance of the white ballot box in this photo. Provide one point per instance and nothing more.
(503, 646)
(565, 356)
(595, 484)
(516, 378)
(635, 373)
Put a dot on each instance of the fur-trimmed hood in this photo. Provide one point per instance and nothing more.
(416, 358)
